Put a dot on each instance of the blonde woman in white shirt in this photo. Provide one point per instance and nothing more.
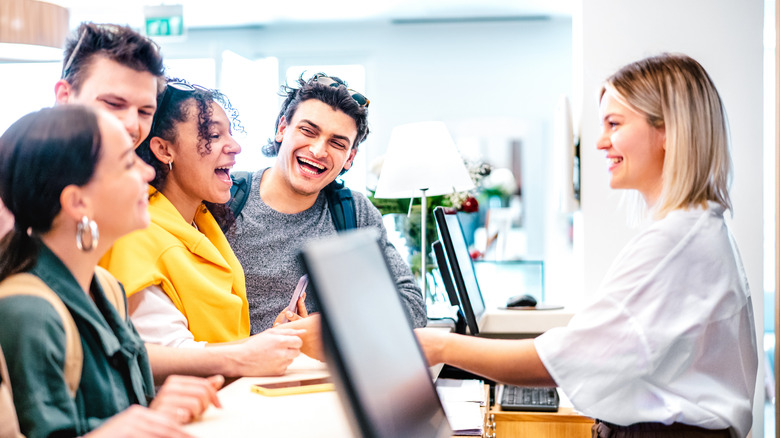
(668, 348)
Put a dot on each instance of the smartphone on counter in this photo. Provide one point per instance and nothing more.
(305, 386)
(299, 289)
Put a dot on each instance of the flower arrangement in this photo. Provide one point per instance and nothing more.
(409, 225)
(466, 201)
(500, 182)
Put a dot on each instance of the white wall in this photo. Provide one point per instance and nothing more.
(725, 36)
(495, 79)
(418, 71)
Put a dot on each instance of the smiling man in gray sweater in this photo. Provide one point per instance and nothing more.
(318, 131)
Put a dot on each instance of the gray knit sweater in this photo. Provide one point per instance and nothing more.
(267, 244)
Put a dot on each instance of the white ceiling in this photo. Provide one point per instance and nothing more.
(230, 13)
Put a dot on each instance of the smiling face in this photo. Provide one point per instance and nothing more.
(634, 148)
(131, 96)
(118, 190)
(316, 145)
(199, 174)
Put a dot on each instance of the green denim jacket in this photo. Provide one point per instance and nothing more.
(115, 372)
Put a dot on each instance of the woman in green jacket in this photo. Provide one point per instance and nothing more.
(72, 180)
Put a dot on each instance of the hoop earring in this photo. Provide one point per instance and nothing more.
(87, 225)
(170, 166)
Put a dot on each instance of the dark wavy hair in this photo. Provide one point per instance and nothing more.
(40, 155)
(338, 98)
(117, 43)
(177, 110)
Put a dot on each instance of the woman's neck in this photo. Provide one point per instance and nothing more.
(80, 263)
(652, 194)
(186, 205)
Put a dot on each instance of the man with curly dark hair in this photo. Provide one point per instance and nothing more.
(318, 130)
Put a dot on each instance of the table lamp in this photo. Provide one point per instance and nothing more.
(422, 160)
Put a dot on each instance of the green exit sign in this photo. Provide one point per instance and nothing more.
(164, 21)
(168, 26)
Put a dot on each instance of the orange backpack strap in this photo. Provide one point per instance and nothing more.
(113, 290)
(29, 284)
(9, 423)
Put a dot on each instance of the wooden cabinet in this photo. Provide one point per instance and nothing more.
(514, 424)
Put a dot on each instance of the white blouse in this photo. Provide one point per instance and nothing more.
(158, 321)
(671, 337)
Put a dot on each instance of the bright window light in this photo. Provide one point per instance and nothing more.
(201, 71)
(253, 89)
(26, 87)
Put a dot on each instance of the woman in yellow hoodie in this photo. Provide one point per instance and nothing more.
(185, 286)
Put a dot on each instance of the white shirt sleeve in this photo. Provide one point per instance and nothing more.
(671, 336)
(158, 321)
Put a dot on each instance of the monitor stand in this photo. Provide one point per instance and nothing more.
(451, 372)
(460, 324)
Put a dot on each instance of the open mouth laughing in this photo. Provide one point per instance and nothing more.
(223, 173)
(310, 167)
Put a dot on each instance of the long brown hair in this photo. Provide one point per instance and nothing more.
(40, 155)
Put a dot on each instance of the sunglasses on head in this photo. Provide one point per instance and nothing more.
(111, 30)
(170, 89)
(324, 79)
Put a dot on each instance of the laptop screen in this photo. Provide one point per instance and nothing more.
(378, 367)
(461, 267)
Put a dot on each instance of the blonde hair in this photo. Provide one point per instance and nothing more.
(675, 93)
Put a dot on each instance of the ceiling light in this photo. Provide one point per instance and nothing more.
(32, 30)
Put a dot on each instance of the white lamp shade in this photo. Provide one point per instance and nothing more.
(420, 156)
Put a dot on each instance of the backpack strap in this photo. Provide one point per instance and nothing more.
(113, 291)
(341, 206)
(340, 202)
(9, 423)
(29, 284)
(239, 191)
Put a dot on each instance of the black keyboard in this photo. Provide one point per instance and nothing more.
(523, 398)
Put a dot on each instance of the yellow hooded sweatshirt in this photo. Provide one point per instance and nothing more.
(196, 268)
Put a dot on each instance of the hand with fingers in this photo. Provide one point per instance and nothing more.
(185, 398)
(139, 422)
(268, 353)
(311, 336)
(288, 315)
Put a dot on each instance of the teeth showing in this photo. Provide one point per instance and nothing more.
(320, 168)
(311, 163)
(614, 160)
(225, 170)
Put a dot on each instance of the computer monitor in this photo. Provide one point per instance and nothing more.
(446, 278)
(461, 267)
(444, 271)
(376, 363)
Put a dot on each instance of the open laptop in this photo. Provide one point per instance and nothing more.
(377, 365)
(480, 320)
